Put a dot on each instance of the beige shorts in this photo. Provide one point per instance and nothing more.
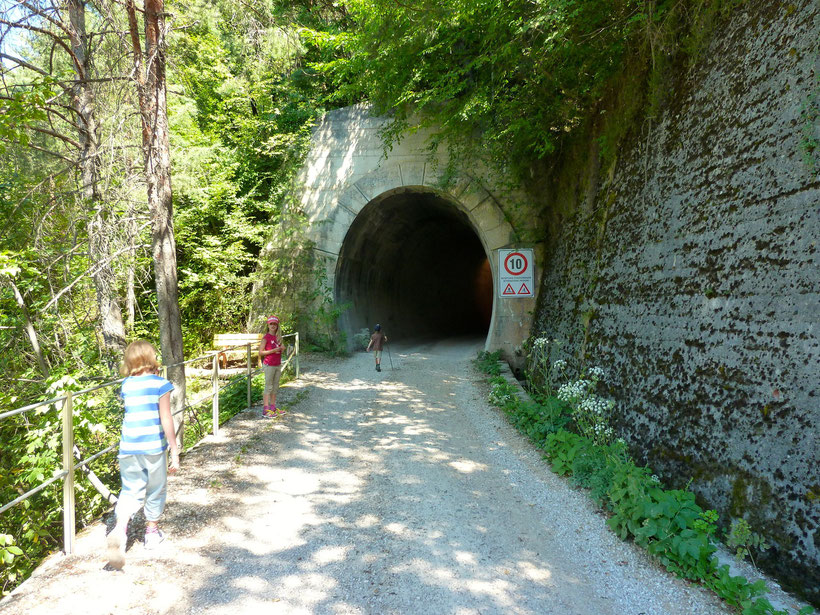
(378, 354)
(272, 375)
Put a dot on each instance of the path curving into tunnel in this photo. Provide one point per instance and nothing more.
(412, 261)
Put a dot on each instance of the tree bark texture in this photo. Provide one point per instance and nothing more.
(150, 79)
(99, 247)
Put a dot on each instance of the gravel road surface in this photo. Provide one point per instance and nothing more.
(394, 492)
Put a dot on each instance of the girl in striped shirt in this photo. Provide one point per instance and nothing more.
(147, 432)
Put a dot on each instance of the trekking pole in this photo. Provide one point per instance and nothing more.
(388, 355)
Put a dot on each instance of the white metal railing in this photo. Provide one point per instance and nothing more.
(69, 450)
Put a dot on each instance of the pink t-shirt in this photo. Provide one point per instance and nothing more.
(271, 341)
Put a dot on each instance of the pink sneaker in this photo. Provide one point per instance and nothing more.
(269, 412)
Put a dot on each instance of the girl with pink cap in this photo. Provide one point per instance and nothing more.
(270, 352)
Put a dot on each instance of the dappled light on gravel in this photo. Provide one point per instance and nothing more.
(392, 492)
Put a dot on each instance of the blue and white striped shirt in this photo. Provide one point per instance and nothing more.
(142, 432)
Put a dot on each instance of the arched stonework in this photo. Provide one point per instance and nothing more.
(347, 170)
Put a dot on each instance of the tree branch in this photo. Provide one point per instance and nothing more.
(56, 135)
(90, 272)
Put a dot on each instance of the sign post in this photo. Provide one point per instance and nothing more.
(515, 273)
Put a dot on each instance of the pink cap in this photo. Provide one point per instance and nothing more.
(273, 319)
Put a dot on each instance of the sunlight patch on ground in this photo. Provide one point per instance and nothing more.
(399, 529)
(534, 573)
(310, 588)
(328, 555)
(366, 521)
(486, 582)
(467, 466)
(251, 584)
(466, 558)
(418, 430)
(353, 385)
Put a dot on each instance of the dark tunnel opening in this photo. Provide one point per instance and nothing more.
(412, 262)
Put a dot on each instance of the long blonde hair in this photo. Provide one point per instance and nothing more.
(140, 358)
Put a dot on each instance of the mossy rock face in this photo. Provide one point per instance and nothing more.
(704, 282)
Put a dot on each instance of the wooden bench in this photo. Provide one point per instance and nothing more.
(225, 341)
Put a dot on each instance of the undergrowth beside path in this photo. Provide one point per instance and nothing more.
(570, 425)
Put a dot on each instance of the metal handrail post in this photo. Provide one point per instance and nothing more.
(69, 517)
(297, 355)
(249, 374)
(215, 398)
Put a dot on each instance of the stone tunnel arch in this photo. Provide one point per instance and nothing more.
(413, 261)
(382, 223)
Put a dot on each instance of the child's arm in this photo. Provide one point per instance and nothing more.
(369, 345)
(277, 347)
(168, 427)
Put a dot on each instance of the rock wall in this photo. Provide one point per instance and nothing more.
(689, 270)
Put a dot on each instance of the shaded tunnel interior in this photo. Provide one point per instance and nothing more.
(412, 262)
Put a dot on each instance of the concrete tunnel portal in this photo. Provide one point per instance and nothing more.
(412, 261)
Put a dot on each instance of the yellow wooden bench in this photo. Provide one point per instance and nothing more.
(227, 342)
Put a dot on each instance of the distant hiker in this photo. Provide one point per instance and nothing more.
(147, 432)
(270, 351)
(377, 341)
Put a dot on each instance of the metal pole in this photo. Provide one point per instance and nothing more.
(249, 374)
(215, 398)
(297, 355)
(69, 519)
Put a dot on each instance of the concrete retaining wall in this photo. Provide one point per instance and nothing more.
(693, 277)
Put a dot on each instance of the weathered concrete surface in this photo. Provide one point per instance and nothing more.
(396, 244)
(693, 276)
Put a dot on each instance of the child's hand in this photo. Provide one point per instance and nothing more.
(174, 462)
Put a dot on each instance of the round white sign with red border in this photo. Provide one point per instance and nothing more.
(515, 273)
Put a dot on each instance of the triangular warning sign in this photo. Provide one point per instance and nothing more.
(509, 290)
(524, 290)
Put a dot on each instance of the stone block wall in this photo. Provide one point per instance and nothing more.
(692, 275)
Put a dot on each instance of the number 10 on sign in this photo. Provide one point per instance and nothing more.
(515, 273)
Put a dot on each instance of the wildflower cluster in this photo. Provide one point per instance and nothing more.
(590, 411)
(544, 372)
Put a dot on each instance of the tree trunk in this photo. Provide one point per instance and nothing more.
(29, 327)
(157, 156)
(110, 315)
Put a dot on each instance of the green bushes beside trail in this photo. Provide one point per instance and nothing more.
(32, 530)
(668, 523)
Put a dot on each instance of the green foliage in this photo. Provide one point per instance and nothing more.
(505, 80)
(545, 369)
(562, 448)
(8, 552)
(669, 524)
(32, 453)
(502, 394)
(361, 339)
(488, 362)
(508, 82)
(810, 120)
(744, 541)
(232, 401)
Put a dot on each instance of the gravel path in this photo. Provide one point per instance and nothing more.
(394, 492)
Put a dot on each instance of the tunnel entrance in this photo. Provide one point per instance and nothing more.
(412, 261)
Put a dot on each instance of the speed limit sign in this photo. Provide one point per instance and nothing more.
(515, 273)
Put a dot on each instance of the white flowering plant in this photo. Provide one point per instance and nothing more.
(590, 411)
(544, 371)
